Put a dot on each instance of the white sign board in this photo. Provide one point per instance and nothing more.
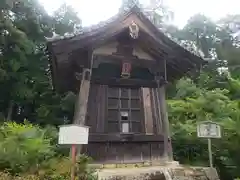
(209, 130)
(73, 134)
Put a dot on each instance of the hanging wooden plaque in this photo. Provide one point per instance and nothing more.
(126, 70)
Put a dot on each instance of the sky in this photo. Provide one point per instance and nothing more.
(94, 11)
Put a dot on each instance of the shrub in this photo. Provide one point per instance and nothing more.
(57, 169)
(28, 152)
(23, 147)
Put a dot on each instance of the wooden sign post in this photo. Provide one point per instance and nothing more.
(209, 130)
(73, 135)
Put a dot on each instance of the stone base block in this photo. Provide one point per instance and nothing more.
(170, 171)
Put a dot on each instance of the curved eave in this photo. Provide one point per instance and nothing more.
(168, 41)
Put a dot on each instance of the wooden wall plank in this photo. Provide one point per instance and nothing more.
(92, 111)
(147, 108)
(132, 152)
(157, 118)
(101, 108)
(96, 114)
(156, 151)
(125, 152)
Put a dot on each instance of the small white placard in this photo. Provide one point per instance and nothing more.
(209, 130)
(125, 127)
(124, 114)
(73, 134)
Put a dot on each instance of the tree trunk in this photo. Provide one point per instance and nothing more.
(10, 110)
(167, 142)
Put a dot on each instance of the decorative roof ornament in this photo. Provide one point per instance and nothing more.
(133, 30)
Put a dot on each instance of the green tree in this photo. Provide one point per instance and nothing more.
(193, 105)
(66, 20)
(209, 94)
(24, 70)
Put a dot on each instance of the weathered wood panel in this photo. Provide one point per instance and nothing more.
(157, 118)
(125, 152)
(96, 108)
(92, 111)
(157, 151)
(146, 151)
(147, 108)
(117, 137)
(102, 103)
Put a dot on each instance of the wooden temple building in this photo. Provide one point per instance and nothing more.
(119, 70)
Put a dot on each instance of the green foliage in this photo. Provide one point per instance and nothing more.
(23, 147)
(192, 105)
(24, 70)
(208, 95)
(28, 151)
(66, 20)
(57, 169)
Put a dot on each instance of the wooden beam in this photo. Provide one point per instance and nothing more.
(126, 82)
(121, 137)
(118, 59)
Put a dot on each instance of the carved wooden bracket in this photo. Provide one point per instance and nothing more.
(84, 75)
(87, 74)
(133, 30)
(78, 76)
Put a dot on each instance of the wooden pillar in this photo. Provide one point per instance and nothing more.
(164, 116)
(82, 100)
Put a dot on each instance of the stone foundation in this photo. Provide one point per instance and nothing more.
(167, 172)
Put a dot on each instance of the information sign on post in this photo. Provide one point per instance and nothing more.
(73, 135)
(209, 130)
